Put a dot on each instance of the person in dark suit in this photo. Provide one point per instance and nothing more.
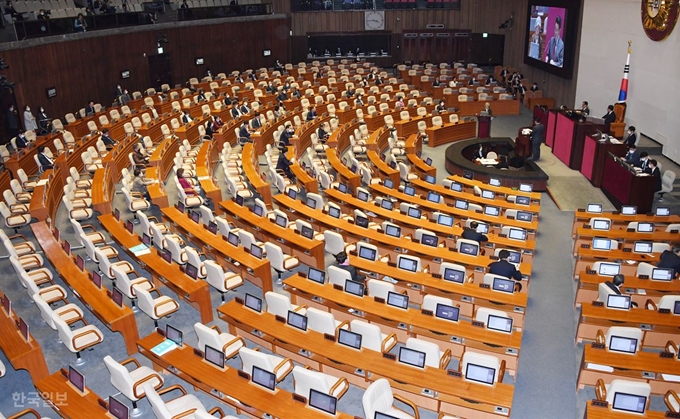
(227, 99)
(615, 286)
(503, 267)
(119, 92)
(633, 156)
(45, 161)
(255, 123)
(244, 107)
(287, 133)
(244, 131)
(235, 112)
(201, 96)
(22, 141)
(610, 116)
(436, 82)
(282, 96)
(585, 110)
(186, 118)
(653, 169)
(358, 101)
(537, 138)
(632, 136)
(89, 109)
(643, 162)
(283, 164)
(342, 262)
(322, 134)
(107, 140)
(441, 107)
(12, 122)
(471, 82)
(350, 92)
(555, 50)
(479, 154)
(44, 122)
(311, 114)
(534, 87)
(238, 79)
(472, 234)
(670, 259)
(296, 93)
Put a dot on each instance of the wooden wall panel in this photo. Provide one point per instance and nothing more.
(89, 68)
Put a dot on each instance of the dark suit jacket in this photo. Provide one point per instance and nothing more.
(631, 139)
(436, 83)
(506, 269)
(322, 134)
(282, 96)
(45, 161)
(311, 115)
(671, 260)
(352, 271)
(89, 110)
(609, 118)
(471, 234)
(285, 137)
(256, 123)
(22, 142)
(227, 101)
(185, 119)
(244, 109)
(108, 140)
(656, 174)
(633, 158)
(538, 134)
(234, 113)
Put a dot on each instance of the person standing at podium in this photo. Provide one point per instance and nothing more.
(537, 138)
(487, 110)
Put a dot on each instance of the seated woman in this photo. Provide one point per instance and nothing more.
(185, 184)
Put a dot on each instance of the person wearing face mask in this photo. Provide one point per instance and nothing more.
(119, 92)
(342, 262)
(29, 120)
(632, 136)
(286, 135)
(11, 122)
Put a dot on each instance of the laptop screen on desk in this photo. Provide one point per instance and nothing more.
(409, 190)
(367, 253)
(191, 270)
(494, 182)
(429, 240)
(662, 211)
(480, 374)
(517, 234)
(621, 302)
(498, 323)
(388, 183)
(311, 203)
(594, 208)
(445, 220)
(117, 409)
(342, 188)
(392, 230)
(362, 196)
(492, 211)
(256, 250)
(430, 179)
(645, 227)
(316, 275)
(306, 232)
(642, 247)
(297, 320)
(174, 334)
(447, 312)
(503, 285)
(457, 187)
(196, 216)
(488, 194)
(146, 239)
(434, 197)
(662, 274)
(351, 339)
(462, 205)
(166, 255)
(386, 204)
(397, 300)
(281, 221)
(676, 307)
(609, 269)
(629, 403)
(292, 193)
(623, 344)
(414, 212)
(379, 415)
(524, 216)
(322, 401)
(253, 303)
(628, 210)
(525, 187)
(601, 224)
(412, 357)
(469, 249)
(515, 257)
(264, 378)
(76, 378)
(232, 238)
(361, 221)
(522, 200)
(428, 161)
(454, 275)
(601, 243)
(354, 288)
(334, 212)
(407, 264)
(212, 227)
(214, 356)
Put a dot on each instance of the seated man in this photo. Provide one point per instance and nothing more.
(283, 164)
(46, 162)
(342, 262)
(141, 161)
(633, 156)
(312, 114)
(107, 140)
(244, 132)
(615, 286)
(503, 267)
(322, 134)
(670, 259)
(472, 234)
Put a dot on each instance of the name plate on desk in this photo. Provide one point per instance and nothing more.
(585, 246)
(243, 375)
(643, 277)
(485, 286)
(436, 276)
(379, 300)
(329, 337)
(426, 312)
(627, 250)
(337, 287)
(600, 403)
(587, 227)
(672, 415)
(389, 356)
(664, 311)
(239, 300)
(477, 324)
(280, 318)
(666, 355)
(353, 253)
(392, 264)
(597, 345)
(598, 304)
(591, 272)
(298, 398)
(453, 373)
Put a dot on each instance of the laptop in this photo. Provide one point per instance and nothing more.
(642, 247)
(620, 302)
(480, 374)
(662, 274)
(392, 230)
(461, 205)
(457, 187)
(264, 378)
(434, 197)
(623, 344)
(323, 402)
(445, 220)
(407, 264)
(214, 356)
(499, 324)
(397, 300)
(316, 275)
(632, 403)
(349, 339)
(253, 303)
(354, 288)
(503, 285)
(609, 269)
(297, 320)
(367, 253)
(411, 357)
(447, 312)
(489, 194)
(76, 379)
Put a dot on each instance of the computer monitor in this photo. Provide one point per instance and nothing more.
(23, 329)
(526, 187)
(116, 214)
(316, 275)
(393, 230)
(494, 182)
(621, 302)
(76, 379)
(623, 344)
(662, 211)
(594, 208)
(525, 216)
(410, 190)
(468, 249)
(146, 240)
(468, 175)
(492, 211)
(281, 221)
(609, 269)
(311, 202)
(488, 194)
(80, 262)
(517, 234)
(292, 193)
(457, 187)
(97, 279)
(414, 212)
(297, 320)
(480, 373)
(482, 228)
(429, 240)
(253, 303)
(181, 207)
(354, 287)
(322, 401)
(66, 246)
(430, 179)
(397, 300)
(601, 224)
(117, 296)
(454, 275)
(676, 307)
(445, 220)
(350, 339)
(361, 221)
(117, 409)
(662, 274)
(629, 403)
(174, 334)
(334, 212)
(434, 197)
(7, 305)
(393, 164)
(214, 356)
(342, 187)
(256, 250)
(354, 168)
(307, 232)
(212, 227)
(362, 195)
(461, 205)
(645, 228)
(388, 183)
(191, 270)
(428, 161)
(386, 204)
(515, 257)
(411, 357)
(367, 253)
(407, 264)
(239, 200)
(129, 226)
(600, 243)
(498, 323)
(232, 238)
(195, 216)
(628, 210)
(642, 247)
(503, 285)
(166, 255)
(447, 312)
(522, 200)
(264, 378)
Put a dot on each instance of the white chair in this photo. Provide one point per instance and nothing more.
(668, 302)
(644, 268)
(280, 305)
(620, 331)
(127, 285)
(178, 254)
(419, 266)
(334, 242)
(430, 302)
(70, 313)
(106, 267)
(379, 288)
(484, 360)
(79, 339)
(434, 357)
(219, 279)
(482, 314)
(49, 294)
(278, 260)
(608, 392)
(21, 248)
(461, 241)
(131, 383)
(194, 259)
(213, 337)
(274, 364)
(14, 221)
(378, 397)
(372, 337)
(338, 276)
(306, 379)
(324, 322)
(186, 405)
(26, 262)
(156, 308)
(135, 201)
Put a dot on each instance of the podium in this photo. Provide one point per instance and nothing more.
(595, 151)
(523, 143)
(484, 130)
(570, 135)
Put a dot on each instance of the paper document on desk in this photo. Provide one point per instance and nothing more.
(140, 250)
(487, 162)
(42, 182)
(204, 178)
(164, 347)
(614, 140)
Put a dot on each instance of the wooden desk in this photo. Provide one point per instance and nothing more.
(46, 199)
(309, 252)
(499, 107)
(594, 153)
(206, 158)
(384, 170)
(451, 132)
(622, 220)
(597, 412)
(257, 271)
(67, 401)
(588, 288)
(252, 174)
(587, 257)
(195, 293)
(22, 354)
(625, 188)
(471, 183)
(455, 396)
(585, 235)
(345, 175)
(163, 158)
(635, 367)
(116, 318)
(658, 328)
(225, 385)
(570, 133)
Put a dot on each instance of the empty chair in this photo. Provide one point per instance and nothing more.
(219, 279)
(154, 307)
(434, 357)
(372, 336)
(334, 242)
(178, 254)
(186, 405)
(131, 383)
(15, 221)
(483, 360)
(135, 201)
(634, 388)
(379, 288)
(324, 322)
(76, 340)
(70, 313)
(21, 248)
(430, 302)
(127, 285)
(280, 305)
(379, 397)
(213, 337)
(274, 364)
(482, 314)
(278, 260)
(194, 259)
(106, 267)
(306, 379)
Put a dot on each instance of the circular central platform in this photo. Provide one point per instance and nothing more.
(459, 161)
